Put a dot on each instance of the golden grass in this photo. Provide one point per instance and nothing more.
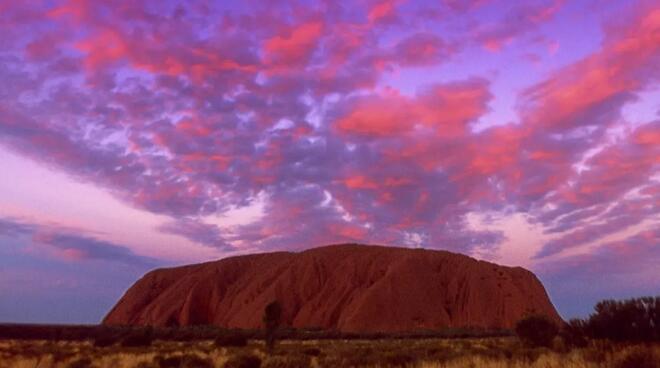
(412, 353)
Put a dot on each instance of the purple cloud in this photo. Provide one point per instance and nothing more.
(198, 232)
(74, 246)
(9, 227)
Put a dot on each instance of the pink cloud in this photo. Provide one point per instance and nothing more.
(295, 45)
(445, 108)
(379, 117)
(421, 49)
(360, 182)
(622, 66)
(451, 107)
(383, 11)
(105, 48)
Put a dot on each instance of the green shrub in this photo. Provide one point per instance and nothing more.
(331, 362)
(184, 361)
(168, 362)
(81, 363)
(536, 331)
(243, 361)
(194, 361)
(231, 340)
(288, 361)
(595, 355)
(574, 333)
(639, 357)
(368, 357)
(138, 338)
(396, 359)
(312, 351)
(528, 355)
(105, 340)
(145, 365)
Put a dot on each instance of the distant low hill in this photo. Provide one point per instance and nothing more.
(348, 288)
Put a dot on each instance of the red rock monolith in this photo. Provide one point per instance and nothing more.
(350, 288)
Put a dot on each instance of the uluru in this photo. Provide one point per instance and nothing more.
(348, 288)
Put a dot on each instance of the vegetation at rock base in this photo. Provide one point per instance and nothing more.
(573, 334)
(536, 331)
(243, 360)
(580, 343)
(388, 353)
(634, 320)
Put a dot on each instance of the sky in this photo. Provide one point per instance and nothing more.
(144, 134)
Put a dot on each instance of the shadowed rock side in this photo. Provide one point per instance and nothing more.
(350, 288)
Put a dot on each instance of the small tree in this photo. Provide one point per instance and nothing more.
(272, 319)
(536, 330)
(574, 333)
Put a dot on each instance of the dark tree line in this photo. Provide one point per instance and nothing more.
(634, 320)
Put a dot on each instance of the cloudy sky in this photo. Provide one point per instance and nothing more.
(142, 134)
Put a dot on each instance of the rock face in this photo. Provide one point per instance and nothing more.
(351, 288)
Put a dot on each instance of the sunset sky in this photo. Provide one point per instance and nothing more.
(143, 134)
